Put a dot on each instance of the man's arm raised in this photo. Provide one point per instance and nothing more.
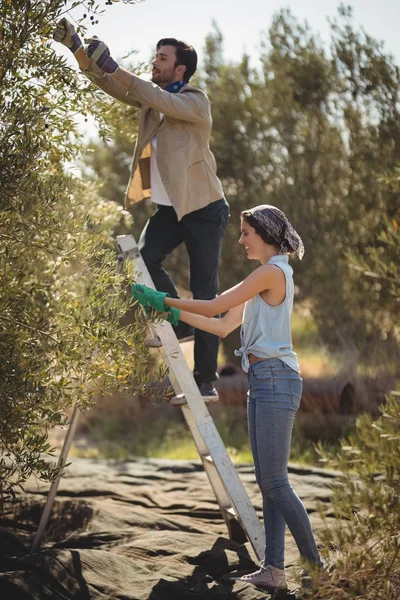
(98, 65)
(192, 107)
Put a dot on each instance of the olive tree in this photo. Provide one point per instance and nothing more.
(61, 302)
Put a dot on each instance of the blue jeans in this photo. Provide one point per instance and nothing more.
(273, 399)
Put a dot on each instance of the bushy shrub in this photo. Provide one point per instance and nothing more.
(364, 541)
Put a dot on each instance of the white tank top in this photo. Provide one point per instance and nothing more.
(265, 330)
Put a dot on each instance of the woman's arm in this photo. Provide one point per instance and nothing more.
(220, 327)
(263, 278)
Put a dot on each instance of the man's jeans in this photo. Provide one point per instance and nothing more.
(202, 232)
(273, 399)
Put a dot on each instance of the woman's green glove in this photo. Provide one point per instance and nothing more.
(173, 315)
(150, 298)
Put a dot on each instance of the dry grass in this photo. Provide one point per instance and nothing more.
(124, 427)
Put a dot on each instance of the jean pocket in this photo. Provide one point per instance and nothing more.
(217, 212)
(224, 212)
(261, 370)
(296, 388)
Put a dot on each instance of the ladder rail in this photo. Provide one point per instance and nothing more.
(237, 510)
(51, 496)
(223, 477)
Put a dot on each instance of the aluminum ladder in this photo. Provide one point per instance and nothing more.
(237, 510)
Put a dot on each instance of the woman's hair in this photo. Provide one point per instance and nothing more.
(261, 232)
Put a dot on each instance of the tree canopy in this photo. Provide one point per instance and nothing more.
(317, 134)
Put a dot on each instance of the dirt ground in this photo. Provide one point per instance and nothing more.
(138, 530)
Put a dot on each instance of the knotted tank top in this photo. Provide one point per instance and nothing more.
(265, 330)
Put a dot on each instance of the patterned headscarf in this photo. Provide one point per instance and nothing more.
(276, 224)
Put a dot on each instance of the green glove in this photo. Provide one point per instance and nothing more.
(65, 33)
(173, 315)
(149, 298)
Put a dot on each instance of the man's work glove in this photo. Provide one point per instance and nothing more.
(150, 298)
(100, 53)
(65, 33)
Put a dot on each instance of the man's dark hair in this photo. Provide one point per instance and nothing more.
(185, 55)
(261, 232)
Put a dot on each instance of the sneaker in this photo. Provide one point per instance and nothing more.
(269, 578)
(184, 334)
(207, 391)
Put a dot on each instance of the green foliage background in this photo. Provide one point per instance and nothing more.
(318, 133)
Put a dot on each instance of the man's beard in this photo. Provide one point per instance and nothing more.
(166, 77)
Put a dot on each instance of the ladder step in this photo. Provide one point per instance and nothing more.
(154, 342)
(239, 514)
(180, 400)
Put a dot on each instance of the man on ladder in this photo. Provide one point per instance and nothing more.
(173, 164)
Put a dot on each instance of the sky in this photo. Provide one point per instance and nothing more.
(125, 27)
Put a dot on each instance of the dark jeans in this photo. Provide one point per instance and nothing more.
(201, 231)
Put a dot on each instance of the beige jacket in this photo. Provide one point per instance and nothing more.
(186, 164)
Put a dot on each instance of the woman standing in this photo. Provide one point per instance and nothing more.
(262, 305)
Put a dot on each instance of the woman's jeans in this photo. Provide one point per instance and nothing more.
(273, 399)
